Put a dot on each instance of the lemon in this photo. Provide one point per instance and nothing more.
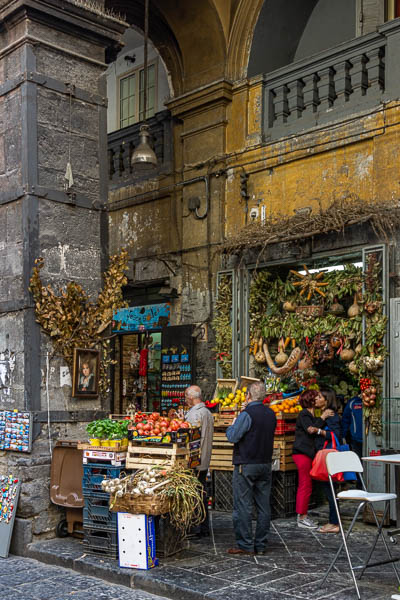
(244, 389)
(231, 396)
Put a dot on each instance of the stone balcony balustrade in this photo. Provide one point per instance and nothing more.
(122, 143)
(347, 79)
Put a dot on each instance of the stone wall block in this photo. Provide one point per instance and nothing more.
(34, 498)
(47, 521)
(21, 537)
(67, 69)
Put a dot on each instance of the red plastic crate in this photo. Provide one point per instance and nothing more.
(284, 426)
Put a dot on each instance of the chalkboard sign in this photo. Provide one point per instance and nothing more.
(9, 494)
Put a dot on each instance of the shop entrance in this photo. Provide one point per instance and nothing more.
(139, 381)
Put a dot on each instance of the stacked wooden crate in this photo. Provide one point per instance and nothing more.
(283, 441)
(221, 456)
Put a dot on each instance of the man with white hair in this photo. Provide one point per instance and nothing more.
(252, 434)
(199, 416)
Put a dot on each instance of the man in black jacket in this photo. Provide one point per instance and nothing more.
(253, 437)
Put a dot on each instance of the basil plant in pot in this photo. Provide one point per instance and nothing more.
(106, 432)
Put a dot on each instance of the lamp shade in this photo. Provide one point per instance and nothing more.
(144, 154)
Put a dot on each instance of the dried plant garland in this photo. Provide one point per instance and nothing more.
(72, 320)
(384, 216)
(222, 325)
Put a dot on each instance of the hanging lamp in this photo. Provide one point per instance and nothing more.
(144, 154)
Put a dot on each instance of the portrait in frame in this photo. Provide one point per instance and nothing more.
(85, 373)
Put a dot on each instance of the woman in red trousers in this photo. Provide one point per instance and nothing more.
(307, 427)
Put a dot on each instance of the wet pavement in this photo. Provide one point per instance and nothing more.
(292, 568)
(27, 579)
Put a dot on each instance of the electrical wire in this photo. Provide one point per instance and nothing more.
(48, 402)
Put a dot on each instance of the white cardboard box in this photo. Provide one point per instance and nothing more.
(136, 541)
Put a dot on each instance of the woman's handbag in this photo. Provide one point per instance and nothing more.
(318, 469)
(347, 475)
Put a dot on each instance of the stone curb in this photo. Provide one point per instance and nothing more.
(93, 566)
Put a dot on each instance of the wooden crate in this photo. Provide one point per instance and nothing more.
(226, 383)
(284, 447)
(221, 455)
(247, 381)
(223, 419)
(139, 457)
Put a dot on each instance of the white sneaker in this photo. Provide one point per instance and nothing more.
(306, 523)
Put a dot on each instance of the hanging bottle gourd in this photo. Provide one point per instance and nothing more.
(260, 356)
(354, 309)
(336, 308)
(281, 357)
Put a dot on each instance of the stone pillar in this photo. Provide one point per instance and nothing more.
(52, 111)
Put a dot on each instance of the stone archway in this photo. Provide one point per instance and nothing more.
(190, 38)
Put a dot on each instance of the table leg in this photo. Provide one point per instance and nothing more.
(397, 486)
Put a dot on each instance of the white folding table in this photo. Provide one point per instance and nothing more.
(390, 459)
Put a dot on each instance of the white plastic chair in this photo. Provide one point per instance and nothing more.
(340, 462)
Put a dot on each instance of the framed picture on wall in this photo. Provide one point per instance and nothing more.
(85, 373)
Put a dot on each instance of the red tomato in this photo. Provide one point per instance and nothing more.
(185, 425)
(155, 416)
(157, 431)
(147, 427)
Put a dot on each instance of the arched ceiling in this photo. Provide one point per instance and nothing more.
(199, 41)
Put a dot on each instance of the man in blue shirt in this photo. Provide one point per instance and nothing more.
(252, 434)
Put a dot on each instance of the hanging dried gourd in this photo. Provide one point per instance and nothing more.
(281, 357)
(309, 283)
(260, 356)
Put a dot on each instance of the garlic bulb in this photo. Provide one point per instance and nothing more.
(119, 493)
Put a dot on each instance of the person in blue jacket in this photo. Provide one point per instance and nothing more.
(352, 424)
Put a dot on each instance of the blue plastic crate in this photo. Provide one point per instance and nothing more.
(96, 514)
(95, 473)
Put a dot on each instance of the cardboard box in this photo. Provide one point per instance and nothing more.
(136, 541)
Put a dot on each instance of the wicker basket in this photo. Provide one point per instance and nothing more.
(143, 505)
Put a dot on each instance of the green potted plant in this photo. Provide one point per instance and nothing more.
(93, 431)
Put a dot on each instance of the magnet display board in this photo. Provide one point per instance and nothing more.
(15, 430)
(9, 494)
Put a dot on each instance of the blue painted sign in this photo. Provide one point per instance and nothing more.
(142, 318)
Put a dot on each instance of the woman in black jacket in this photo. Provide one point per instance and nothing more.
(326, 400)
(307, 428)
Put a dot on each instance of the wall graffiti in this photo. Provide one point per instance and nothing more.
(7, 366)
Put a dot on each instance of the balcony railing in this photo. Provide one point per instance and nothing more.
(347, 79)
(122, 143)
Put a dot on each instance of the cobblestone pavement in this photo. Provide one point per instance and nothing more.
(292, 569)
(27, 579)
